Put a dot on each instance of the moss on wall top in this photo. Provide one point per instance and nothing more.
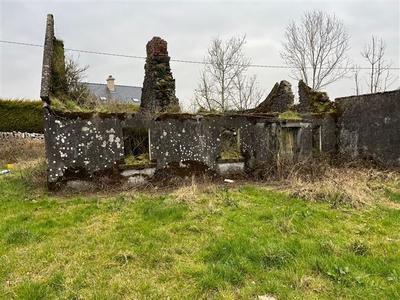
(111, 107)
(289, 115)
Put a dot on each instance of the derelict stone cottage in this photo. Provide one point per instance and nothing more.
(81, 145)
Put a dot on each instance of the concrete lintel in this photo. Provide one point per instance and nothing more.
(295, 124)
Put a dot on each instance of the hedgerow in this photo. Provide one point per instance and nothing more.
(21, 115)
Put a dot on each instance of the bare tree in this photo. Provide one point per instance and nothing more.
(379, 78)
(247, 93)
(317, 49)
(223, 80)
(205, 93)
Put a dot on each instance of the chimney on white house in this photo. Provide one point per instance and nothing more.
(110, 83)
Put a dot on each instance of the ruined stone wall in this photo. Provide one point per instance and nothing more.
(280, 99)
(267, 145)
(81, 144)
(193, 139)
(158, 92)
(311, 101)
(304, 140)
(369, 127)
(324, 126)
(54, 80)
(198, 138)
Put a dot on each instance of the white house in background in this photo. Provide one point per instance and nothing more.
(110, 91)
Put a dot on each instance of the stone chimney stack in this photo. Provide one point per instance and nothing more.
(158, 92)
(110, 83)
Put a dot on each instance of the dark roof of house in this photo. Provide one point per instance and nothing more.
(122, 93)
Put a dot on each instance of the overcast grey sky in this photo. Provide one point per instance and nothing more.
(125, 27)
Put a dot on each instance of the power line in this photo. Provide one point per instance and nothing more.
(18, 43)
(174, 60)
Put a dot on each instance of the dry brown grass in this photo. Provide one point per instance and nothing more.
(356, 184)
(28, 159)
(20, 152)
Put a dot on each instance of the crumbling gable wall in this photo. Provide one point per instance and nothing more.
(280, 99)
(311, 101)
(54, 81)
(369, 127)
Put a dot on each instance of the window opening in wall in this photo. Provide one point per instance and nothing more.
(136, 145)
(288, 142)
(316, 139)
(230, 143)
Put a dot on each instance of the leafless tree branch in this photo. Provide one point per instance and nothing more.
(223, 84)
(317, 49)
(380, 78)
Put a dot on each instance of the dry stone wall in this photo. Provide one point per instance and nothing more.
(21, 135)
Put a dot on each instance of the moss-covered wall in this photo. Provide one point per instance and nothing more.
(54, 80)
(22, 116)
(314, 101)
(59, 86)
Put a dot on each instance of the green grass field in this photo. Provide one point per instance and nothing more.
(195, 242)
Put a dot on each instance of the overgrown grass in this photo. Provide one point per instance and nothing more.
(20, 152)
(332, 180)
(197, 242)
